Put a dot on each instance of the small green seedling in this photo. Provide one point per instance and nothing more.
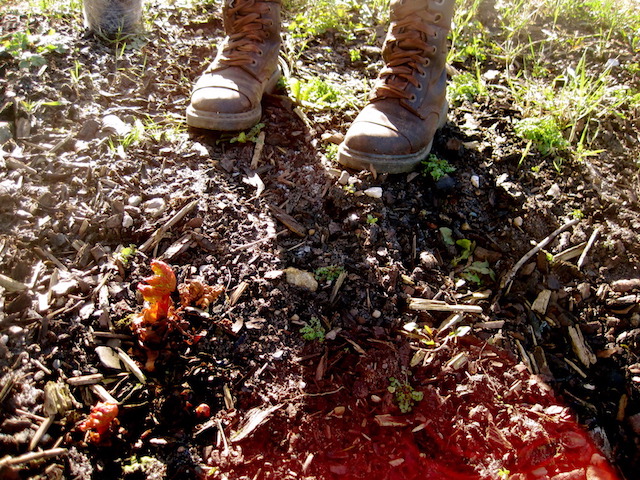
(313, 330)
(476, 271)
(543, 133)
(371, 219)
(447, 236)
(577, 214)
(243, 137)
(404, 393)
(328, 274)
(355, 55)
(436, 167)
(467, 247)
(126, 253)
(503, 473)
(331, 152)
(465, 86)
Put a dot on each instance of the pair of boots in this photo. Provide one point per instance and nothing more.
(393, 133)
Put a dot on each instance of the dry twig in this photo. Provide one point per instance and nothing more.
(30, 457)
(508, 278)
(159, 233)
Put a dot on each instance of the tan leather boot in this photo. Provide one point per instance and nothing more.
(394, 132)
(227, 96)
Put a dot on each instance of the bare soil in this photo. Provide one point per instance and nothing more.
(538, 378)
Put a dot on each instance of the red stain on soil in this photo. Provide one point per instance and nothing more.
(491, 419)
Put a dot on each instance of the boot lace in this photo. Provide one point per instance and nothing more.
(247, 25)
(409, 54)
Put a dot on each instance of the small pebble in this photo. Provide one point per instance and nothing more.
(301, 278)
(15, 330)
(344, 177)
(134, 200)
(113, 124)
(475, 181)
(127, 221)
(517, 222)
(376, 314)
(375, 399)
(373, 192)
(554, 191)
(155, 207)
(428, 260)
(445, 183)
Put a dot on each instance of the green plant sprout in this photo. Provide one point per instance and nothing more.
(475, 272)
(242, 137)
(447, 236)
(328, 274)
(543, 133)
(466, 86)
(126, 253)
(404, 394)
(313, 330)
(314, 93)
(577, 213)
(436, 167)
(331, 152)
(355, 55)
(467, 247)
(371, 220)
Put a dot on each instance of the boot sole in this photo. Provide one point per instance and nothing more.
(230, 122)
(386, 163)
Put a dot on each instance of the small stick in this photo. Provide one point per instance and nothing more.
(30, 457)
(508, 278)
(11, 285)
(257, 152)
(131, 365)
(590, 243)
(257, 242)
(337, 285)
(48, 255)
(423, 305)
(42, 429)
(237, 292)
(222, 434)
(91, 379)
(32, 416)
(159, 233)
(103, 395)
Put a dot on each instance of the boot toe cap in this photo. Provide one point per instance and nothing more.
(223, 100)
(373, 138)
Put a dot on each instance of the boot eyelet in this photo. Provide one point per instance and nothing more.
(260, 53)
(254, 62)
(419, 86)
(413, 98)
(437, 18)
(427, 62)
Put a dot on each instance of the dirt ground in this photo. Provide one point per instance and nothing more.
(428, 365)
